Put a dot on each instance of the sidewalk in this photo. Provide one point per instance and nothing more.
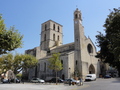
(39, 86)
(60, 86)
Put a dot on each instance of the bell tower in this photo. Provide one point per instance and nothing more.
(78, 35)
(51, 35)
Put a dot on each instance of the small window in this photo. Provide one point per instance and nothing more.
(77, 39)
(44, 67)
(53, 26)
(58, 38)
(45, 27)
(53, 37)
(58, 29)
(76, 62)
(45, 37)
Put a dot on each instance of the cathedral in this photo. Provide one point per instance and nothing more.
(78, 58)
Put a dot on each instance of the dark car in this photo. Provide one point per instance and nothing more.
(53, 80)
(5, 81)
(11, 81)
(17, 80)
(107, 76)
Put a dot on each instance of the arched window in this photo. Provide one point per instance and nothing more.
(45, 27)
(44, 67)
(53, 37)
(53, 26)
(58, 29)
(90, 48)
(45, 37)
(58, 38)
(76, 16)
(76, 62)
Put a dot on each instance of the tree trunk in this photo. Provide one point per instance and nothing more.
(56, 78)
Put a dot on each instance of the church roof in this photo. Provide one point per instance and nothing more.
(53, 22)
(63, 48)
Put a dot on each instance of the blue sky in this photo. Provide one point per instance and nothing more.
(28, 15)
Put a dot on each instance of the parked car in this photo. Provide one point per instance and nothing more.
(71, 81)
(53, 80)
(5, 81)
(37, 80)
(107, 76)
(11, 81)
(90, 77)
(17, 80)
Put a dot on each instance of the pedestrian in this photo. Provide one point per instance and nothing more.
(8, 80)
(22, 80)
(81, 81)
(69, 82)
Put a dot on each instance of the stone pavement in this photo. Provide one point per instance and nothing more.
(37, 86)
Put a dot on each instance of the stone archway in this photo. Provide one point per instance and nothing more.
(91, 69)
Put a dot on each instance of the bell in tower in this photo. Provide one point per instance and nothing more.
(77, 16)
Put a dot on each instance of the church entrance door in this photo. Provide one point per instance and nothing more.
(91, 69)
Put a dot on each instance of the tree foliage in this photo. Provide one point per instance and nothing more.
(55, 63)
(9, 39)
(6, 62)
(16, 63)
(110, 42)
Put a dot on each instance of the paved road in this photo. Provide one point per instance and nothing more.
(37, 86)
(103, 84)
(100, 84)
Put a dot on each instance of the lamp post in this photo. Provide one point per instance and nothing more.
(69, 76)
(69, 73)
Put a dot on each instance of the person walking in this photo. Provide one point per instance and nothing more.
(81, 81)
(22, 80)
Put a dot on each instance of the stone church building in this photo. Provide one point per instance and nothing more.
(78, 57)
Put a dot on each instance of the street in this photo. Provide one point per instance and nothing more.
(99, 84)
(103, 84)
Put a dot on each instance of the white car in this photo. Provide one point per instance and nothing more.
(37, 80)
(71, 80)
(90, 77)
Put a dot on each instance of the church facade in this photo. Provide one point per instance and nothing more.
(78, 57)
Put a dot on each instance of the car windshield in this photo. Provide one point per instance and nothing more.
(39, 79)
(88, 76)
(34, 79)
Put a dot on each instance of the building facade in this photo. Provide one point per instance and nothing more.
(78, 57)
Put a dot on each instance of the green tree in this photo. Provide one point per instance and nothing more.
(55, 63)
(110, 42)
(17, 63)
(22, 61)
(9, 39)
(6, 62)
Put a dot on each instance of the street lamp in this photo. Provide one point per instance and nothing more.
(69, 72)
